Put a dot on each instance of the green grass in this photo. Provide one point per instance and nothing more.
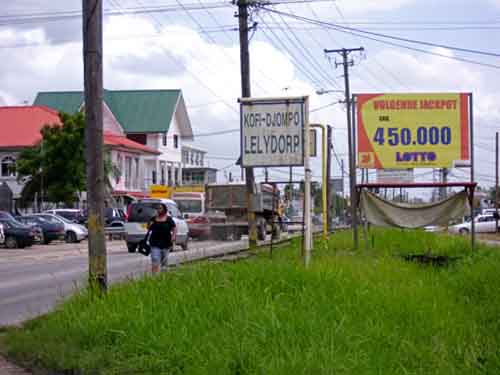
(364, 312)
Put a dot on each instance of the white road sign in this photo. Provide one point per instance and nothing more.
(395, 176)
(272, 131)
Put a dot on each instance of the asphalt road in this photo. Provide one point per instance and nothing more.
(33, 280)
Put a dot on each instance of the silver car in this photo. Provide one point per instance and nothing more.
(142, 212)
(73, 232)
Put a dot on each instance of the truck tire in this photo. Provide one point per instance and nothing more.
(131, 247)
(277, 232)
(261, 230)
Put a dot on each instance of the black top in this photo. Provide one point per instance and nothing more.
(161, 233)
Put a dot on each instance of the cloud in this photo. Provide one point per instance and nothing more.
(369, 6)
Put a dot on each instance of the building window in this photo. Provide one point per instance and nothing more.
(197, 158)
(201, 159)
(164, 139)
(192, 158)
(176, 141)
(8, 166)
(135, 181)
(128, 171)
(162, 174)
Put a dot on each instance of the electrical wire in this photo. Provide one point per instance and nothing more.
(335, 27)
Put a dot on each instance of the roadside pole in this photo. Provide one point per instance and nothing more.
(246, 93)
(324, 179)
(92, 63)
(344, 52)
(496, 182)
(330, 192)
(307, 189)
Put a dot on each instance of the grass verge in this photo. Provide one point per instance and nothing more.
(364, 312)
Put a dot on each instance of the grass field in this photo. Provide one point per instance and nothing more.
(364, 312)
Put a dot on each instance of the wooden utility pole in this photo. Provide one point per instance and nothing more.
(246, 93)
(344, 52)
(92, 65)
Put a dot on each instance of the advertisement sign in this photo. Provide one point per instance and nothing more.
(398, 131)
(272, 131)
(395, 176)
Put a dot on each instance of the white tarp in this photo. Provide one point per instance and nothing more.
(404, 215)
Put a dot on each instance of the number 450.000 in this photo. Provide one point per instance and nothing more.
(425, 135)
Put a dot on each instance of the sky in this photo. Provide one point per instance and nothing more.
(198, 52)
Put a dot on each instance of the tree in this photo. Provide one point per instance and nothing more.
(56, 166)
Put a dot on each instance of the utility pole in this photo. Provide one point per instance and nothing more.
(330, 193)
(344, 52)
(496, 182)
(246, 93)
(343, 188)
(92, 66)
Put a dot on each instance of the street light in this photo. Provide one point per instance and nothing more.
(323, 91)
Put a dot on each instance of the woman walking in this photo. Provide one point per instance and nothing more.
(162, 236)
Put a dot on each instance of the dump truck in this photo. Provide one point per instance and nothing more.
(231, 201)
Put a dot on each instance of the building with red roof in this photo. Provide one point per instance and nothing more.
(20, 128)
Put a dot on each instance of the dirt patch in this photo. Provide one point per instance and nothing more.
(431, 260)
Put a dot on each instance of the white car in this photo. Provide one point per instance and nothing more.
(482, 224)
(141, 212)
(73, 232)
(2, 235)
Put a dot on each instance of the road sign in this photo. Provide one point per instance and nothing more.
(397, 131)
(272, 131)
(337, 185)
(395, 176)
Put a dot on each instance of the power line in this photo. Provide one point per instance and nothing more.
(382, 67)
(335, 27)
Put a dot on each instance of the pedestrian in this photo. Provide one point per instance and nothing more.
(162, 236)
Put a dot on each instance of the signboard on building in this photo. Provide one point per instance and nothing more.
(160, 191)
(398, 131)
(395, 176)
(272, 131)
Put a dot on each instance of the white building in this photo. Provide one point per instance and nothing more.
(156, 119)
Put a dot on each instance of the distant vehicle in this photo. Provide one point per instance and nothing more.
(17, 235)
(192, 206)
(51, 231)
(73, 232)
(72, 214)
(140, 214)
(482, 224)
(433, 228)
(231, 199)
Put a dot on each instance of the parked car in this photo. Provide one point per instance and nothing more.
(17, 235)
(141, 212)
(114, 217)
(51, 231)
(2, 235)
(73, 232)
(482, 224)
(36, 228)
(72, 214)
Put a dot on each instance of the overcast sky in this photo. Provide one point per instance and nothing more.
(191, 51)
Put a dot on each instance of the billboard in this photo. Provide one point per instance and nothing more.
(272, 131)
(399, 131)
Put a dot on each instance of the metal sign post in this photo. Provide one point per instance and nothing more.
(307, 197)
